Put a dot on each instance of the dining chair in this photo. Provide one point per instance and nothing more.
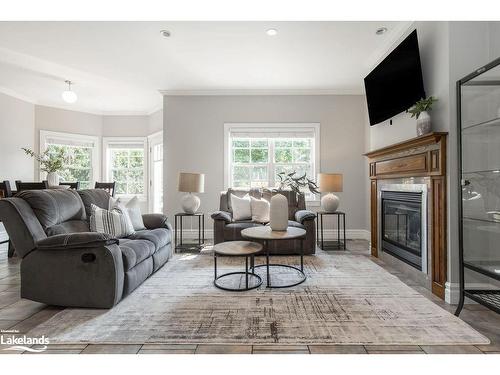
(20, 185)
(72, 185)
(108, 186)
(6, 192)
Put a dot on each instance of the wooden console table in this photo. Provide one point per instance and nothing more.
(423, 156)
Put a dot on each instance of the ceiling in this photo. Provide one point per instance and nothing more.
(121, 67)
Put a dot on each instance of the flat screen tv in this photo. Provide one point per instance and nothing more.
(396, 83)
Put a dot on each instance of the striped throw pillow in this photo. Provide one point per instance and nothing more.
(116, 222)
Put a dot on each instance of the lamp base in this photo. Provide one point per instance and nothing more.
(190, 203)
(330, 202)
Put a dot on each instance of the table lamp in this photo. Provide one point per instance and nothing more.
(191, 183)
(330, 183)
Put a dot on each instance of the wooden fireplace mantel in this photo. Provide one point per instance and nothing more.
(423, 156)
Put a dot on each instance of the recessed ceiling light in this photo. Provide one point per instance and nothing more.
(69, 96)
(272, 32)
(165, 33)
(381, 30)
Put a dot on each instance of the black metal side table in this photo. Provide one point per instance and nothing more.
(330, 245)
(179, 244)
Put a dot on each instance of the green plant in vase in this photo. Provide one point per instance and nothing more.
(420, 111)
(50, 162)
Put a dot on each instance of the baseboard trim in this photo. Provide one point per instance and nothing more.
(329, 234)
(452, 292)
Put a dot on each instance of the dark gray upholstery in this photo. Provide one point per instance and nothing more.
(226, 229)
(65, 264)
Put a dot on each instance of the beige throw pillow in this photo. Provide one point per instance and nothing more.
(241, 207)
(261, 209)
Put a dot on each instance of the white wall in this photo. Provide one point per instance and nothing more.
(194, 134)
(125, 126)
(155, 122)
(17, 119)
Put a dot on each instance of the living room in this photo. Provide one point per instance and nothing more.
(284, 186)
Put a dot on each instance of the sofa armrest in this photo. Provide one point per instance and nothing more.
(222, 215)
(154, 221)
(76, 241)
(303, 215)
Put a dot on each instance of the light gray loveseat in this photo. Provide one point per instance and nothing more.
(64, 264)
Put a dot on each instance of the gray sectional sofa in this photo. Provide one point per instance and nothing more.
(65, 264)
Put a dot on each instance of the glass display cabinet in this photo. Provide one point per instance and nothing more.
(478, 121)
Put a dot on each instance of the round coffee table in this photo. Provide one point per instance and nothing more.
(245, 249)
(266, 234)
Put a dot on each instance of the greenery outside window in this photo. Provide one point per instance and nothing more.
(255, 155)
(82, 153)
(125, 164)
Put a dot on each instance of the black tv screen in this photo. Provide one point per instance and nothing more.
(396, 83)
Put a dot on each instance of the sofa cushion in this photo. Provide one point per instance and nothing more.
(295, 224)
(54, 206)
(135, 251)
(232, 231)
(158, 237)
(70, 226)
(99, 197)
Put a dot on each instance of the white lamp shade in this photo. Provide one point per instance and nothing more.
(330, 182)
(191, 182)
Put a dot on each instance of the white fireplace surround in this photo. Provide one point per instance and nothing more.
(414, 188)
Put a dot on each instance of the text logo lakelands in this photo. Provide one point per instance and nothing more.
(23, 343)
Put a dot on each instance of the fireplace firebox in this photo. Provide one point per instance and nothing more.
(403, 228)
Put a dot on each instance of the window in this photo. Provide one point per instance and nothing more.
(125, 164)
(256, 153)
(82, 153)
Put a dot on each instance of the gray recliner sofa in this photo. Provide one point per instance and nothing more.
(228, 229)
(65, 264)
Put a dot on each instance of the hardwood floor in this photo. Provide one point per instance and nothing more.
(23, 315)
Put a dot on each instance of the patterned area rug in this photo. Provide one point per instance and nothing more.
(346, 299)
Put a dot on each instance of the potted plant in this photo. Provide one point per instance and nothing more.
(421, 112)
(50, 162)
(279, 203)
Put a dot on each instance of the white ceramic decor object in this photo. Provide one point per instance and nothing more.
(53, 179)
(190, 203)
(279, 212)
(424, 125)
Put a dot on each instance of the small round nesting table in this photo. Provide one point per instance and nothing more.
(245, 249)
(267, 235)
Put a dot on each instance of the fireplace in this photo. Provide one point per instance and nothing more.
(402, 226)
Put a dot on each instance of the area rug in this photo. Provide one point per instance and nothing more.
(346, 299)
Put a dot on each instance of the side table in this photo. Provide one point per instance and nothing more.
(178, 238)
(331, 245)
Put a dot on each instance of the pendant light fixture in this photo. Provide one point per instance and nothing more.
(69, 96)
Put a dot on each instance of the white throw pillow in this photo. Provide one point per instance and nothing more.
(134, 212)
(114, 222)
(261, 210)
(241, 207)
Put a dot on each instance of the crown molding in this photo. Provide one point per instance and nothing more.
(261, 92)
(16, 95)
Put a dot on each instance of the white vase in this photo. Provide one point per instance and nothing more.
(424, 125)
(53, 179)
(279, 212)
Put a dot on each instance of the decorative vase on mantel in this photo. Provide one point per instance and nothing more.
(279, 212)
(424, 125)
(53, 179)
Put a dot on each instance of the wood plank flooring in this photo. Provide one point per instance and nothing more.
(23, 315)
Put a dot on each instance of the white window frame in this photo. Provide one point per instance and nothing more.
(151, 139)
(263, 128)
(45, 135)
(106, 142)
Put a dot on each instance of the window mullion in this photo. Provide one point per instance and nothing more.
(271, 166)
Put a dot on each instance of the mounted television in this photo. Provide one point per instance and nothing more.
(396, 83)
